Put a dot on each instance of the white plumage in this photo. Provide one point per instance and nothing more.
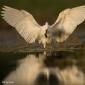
(31, 31)
(69, 20)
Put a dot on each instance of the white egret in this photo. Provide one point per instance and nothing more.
(30, 30)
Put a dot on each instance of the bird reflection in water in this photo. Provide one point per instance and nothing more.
(34, 70)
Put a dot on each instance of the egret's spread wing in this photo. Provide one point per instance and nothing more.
(67, 22)
(23, 22)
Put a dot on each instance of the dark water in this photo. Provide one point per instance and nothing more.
(62, 60)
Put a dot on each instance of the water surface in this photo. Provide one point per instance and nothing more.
(56, 59)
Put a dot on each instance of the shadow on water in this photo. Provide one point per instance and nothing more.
(60, 60)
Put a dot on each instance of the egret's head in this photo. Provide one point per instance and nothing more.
(45, 26)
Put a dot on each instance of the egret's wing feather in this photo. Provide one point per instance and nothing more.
(67, 22)
(30, 17)
(23, 22)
